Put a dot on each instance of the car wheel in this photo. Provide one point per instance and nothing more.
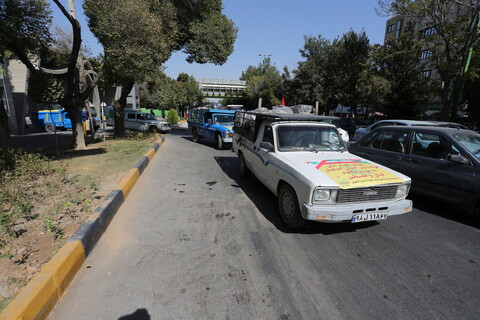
(49, 127)
(196, 137)
(244, 171)
(219, 142)
(153, 129)
(288, 207)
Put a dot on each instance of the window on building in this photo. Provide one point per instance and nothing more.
(426, 54)
(426, 73)
(399, 29)
(429, 31)
(390, 28)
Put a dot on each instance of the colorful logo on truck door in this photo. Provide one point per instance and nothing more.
(355, 173)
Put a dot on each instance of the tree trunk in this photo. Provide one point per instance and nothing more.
(119, 106)
(77, 128)
(446, 98)
(4, 128)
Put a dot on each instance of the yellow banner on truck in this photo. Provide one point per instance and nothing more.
(355, 173)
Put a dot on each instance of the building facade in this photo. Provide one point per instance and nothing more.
(221, 88)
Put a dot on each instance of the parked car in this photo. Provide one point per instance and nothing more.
(443, 163)
(360, 132)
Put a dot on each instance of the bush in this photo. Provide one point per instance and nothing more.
(172, 116)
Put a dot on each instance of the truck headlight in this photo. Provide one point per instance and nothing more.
(321, 195)
(402, 190)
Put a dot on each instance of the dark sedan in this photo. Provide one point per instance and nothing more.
(443, 163)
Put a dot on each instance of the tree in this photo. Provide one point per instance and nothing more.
(162, 92)
(331, 72)
(138, 38)
(456, 31)
(263, 81)
(399, 64)
(352, 62)
(24, 30)
(472, 94)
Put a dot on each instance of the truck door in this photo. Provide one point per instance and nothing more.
(207, 130)
(263, 159)
(130, 121)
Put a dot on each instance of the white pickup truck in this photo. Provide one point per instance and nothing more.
(306, 164)
(143, 121)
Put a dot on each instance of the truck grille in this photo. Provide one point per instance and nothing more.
(366, 194)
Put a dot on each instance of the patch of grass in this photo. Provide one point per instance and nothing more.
(4, 303)
(53, 228)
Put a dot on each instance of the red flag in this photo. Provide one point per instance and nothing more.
(283, 101)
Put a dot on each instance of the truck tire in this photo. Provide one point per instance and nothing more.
(196, 137)
(153, 129)
(49, 127)
(244, 171)
(219, 141)
(289, 208)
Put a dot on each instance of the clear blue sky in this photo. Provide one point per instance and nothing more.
(272, 27)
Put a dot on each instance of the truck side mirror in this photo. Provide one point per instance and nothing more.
(266, 145)
(209, 121)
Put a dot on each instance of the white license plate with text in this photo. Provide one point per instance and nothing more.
(379, 215)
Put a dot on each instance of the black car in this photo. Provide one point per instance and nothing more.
(443, 163)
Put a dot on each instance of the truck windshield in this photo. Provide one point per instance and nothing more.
(308, 138)
(223, 119)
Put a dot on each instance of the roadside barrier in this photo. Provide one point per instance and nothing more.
(39, 296)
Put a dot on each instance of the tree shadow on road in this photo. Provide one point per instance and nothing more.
(140, 314)
(266, 203)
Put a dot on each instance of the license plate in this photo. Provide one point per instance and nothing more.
(370, 216)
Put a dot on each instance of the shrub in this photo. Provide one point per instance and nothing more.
(172, 116)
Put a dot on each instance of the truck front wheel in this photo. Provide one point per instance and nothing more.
(196, 137)
(288, 207)
(153, 129)
(219, 142)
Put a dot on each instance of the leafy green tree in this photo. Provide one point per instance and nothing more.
(399, 64)
(138, 38)
(263, 81)
(331, 72)
(351, 59)
(162, 92)
(172, 116)
(314, 78)
(472, 94)
(456, 32)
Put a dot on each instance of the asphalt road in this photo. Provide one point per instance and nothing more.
(195, 241)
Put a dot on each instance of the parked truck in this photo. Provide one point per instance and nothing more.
(305, 163)
(60, 119)
(214, 125)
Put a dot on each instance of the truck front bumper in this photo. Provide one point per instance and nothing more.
(346, 212)
(227, 139)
